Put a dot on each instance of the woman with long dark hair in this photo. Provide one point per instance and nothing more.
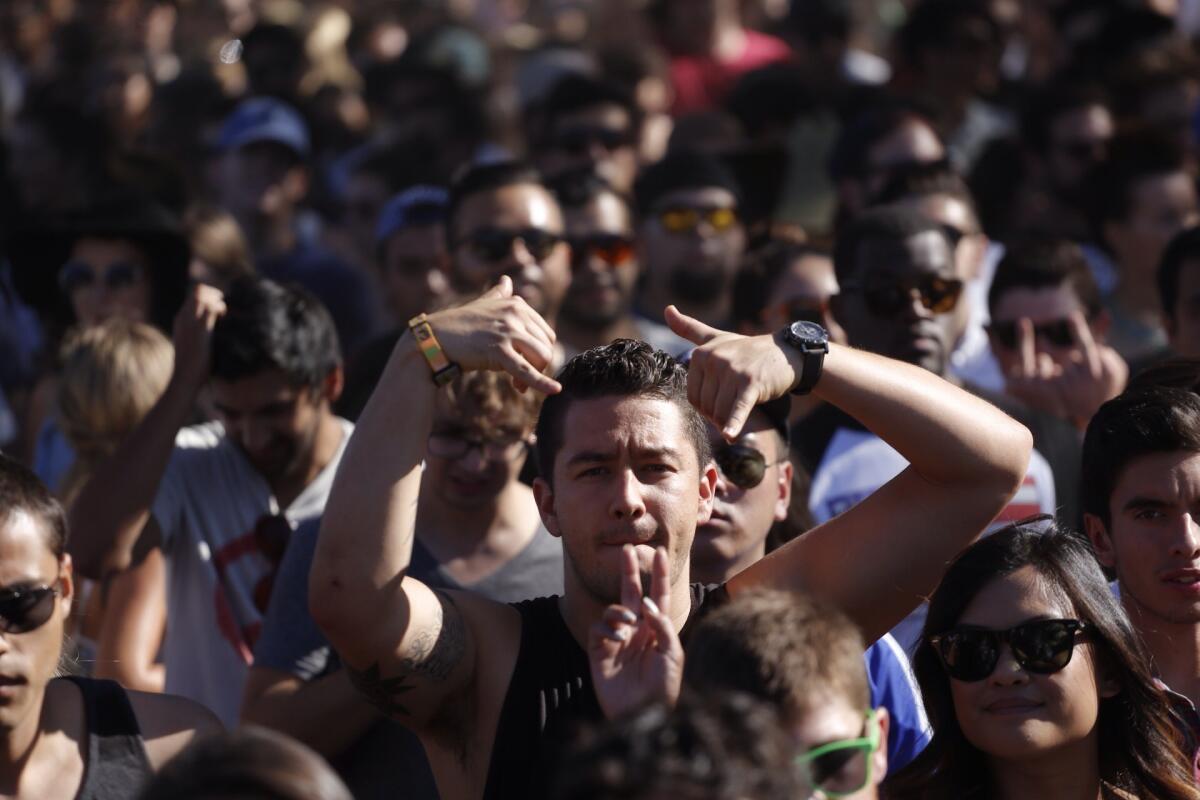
(1036, 684)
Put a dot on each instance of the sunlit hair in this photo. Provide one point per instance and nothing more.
(488, 403)
(23, 492)
(112, 374)
(1140, 747)
(785, 648)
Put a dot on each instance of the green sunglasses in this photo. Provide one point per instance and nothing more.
(842, 767)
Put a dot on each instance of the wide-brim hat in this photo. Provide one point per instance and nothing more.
(38, 251)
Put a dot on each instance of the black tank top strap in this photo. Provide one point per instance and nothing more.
(549, 694)
(117, 764)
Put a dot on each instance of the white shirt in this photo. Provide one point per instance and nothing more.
(208, 504)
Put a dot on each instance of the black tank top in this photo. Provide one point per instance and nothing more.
(550, 695)
(117, 765)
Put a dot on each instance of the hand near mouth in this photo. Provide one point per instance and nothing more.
(635, 653)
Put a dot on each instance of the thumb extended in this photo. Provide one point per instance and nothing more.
(502, 289)
(689, 328)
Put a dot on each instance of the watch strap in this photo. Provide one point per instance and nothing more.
(444, 370)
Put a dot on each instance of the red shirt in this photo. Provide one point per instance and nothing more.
(701, 82)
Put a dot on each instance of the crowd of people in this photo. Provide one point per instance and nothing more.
(714, 399)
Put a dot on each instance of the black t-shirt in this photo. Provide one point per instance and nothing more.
(551, 695)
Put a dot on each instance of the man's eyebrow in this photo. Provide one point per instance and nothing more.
(1139, 502)
(590, 457)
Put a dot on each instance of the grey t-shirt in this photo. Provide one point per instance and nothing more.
(388, 760)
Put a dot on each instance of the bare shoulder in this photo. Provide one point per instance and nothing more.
(168, 723)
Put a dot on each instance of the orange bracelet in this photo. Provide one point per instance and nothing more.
(444, 370)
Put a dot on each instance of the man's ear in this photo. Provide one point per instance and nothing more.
(334, 383)
(295, 184)
(67, 583)
(708, 490)
(880, 758)
(543, 495)
(783, 500)
(1102, 545)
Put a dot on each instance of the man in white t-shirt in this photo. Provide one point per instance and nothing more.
(221, 499)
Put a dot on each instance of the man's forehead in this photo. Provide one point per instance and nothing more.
(518, 205)
(697, 197)
(618, 421)
(605, 213)
(1167, 476)
(923, 252)
(270, 385)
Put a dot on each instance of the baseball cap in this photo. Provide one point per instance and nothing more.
(265, 119)
(416, 205)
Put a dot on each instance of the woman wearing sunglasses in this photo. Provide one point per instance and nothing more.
(1036, 685)
(65, 737)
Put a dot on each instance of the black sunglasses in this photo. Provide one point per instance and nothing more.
(609, 248)
(76, 275)
(577, 141)
(1057, 332)
(26, 608)
(1042, 646)
(939, 295)
(496, 244)
(741, 464)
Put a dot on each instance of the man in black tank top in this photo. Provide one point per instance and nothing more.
(626, 477)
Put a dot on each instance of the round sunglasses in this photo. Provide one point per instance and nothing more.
(26, 608)
(1042, 646)
(741, 464)
(611, 249)
(843, 767)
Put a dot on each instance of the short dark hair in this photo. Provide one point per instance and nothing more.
(578, 187)
(250, 761)
(884, 223)
(485, 177)
(625, 368)
(1052, 101)
(1184, 247)
(865, 129)
(925, 180)
(931, 22)
(1139, 745)
(574, 92)
(1132, 158)
(22, 491)
(725, 747)
(1140, 422)
(784, 648)
(766, 259)
(1046, 262)
(270, 326)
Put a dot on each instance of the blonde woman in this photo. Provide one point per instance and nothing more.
(112, 375)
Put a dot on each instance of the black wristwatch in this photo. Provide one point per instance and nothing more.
(813, 343)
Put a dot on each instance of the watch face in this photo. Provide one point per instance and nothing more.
(809, 332)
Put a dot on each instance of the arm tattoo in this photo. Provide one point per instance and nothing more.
(431, 656)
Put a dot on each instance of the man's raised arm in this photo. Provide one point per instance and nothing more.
(113, 507)
(408, 648)
(967, 459)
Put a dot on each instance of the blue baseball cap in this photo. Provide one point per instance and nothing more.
(416, 205)
(265, 119)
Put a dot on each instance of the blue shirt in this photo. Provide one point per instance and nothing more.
(894, 688)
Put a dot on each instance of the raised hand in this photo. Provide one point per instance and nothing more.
(192, 335)
(498, 331)
(730, 374)
(634, 651)
(1073, 386)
